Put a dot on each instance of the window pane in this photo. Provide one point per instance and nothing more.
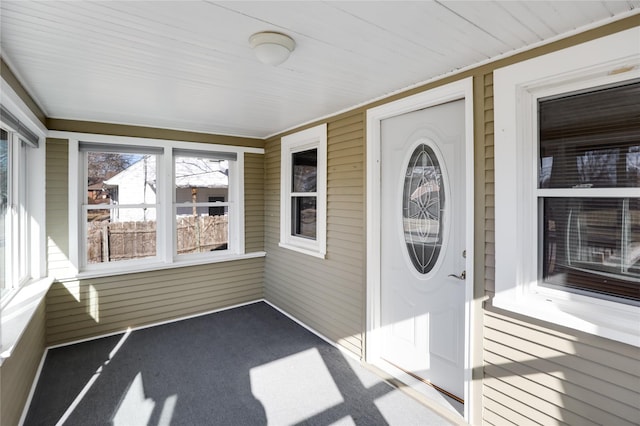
(201, 226)
(125, 233)
(201, 180)
(590, 140)
(4, 207)
(304, 217)
(201, 233)
(593, 244)
(121, 178)
(305, 169)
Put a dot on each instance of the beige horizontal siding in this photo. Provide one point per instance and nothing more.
(86, 308)
(577, 379)
(254, 202)
(149, 132)
(19, 370)
(57, 172)
(489, 226)
(326, 294)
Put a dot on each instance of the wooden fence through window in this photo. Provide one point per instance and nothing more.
(113, 241)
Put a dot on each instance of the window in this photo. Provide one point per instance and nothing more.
(148, 204)
(121, 203)
(303, 191)
(20, 165)
(567, 188)
(201, 206)
(589, 144)
(14, 207)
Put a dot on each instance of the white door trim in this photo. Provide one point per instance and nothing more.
(462, 89)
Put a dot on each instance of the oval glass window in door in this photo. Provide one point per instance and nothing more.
(422, 208)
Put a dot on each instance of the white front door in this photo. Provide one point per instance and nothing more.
(422, 238)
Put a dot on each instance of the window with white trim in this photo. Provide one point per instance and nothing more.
(143, 204)
(589, 178)
(15, 204)
(303, 191)
(567, 188)
(121, 206)
(202, 205)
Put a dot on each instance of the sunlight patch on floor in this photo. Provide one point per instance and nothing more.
(134, 408)
(303, 373)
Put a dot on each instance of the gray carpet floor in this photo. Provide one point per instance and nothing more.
(244, 366)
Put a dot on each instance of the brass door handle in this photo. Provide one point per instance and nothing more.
(462, 276)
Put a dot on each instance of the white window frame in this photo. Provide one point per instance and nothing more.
(85, 208)
(231, 204)
(313, 138)
(17, 271)
(25, 235)
(517, 88)
(28, 289)
(166, 253)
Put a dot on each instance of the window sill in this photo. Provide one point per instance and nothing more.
(17, 314)
(155, 266)
(605, 319)
(302, 250)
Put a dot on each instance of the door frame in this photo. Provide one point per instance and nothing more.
(462, 89)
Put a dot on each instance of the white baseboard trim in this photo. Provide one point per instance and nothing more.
(32, 391)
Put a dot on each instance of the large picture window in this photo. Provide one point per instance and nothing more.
(303, 191)
(589, 170)
(567, 187)
(148, 204)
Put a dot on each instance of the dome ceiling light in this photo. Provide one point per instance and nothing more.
(272, 48)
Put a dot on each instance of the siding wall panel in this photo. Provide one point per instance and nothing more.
(327, 294)
(19, 370)
(139, 299)
(57, 171)
(254, 202)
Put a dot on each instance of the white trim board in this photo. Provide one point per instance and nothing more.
(462, 89)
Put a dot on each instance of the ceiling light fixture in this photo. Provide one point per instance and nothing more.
(272, 48)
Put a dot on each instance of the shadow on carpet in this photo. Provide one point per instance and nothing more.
(244, 366)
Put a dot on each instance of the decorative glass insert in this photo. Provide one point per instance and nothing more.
(423, 203)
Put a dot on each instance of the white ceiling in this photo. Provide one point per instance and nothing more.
(188, 65)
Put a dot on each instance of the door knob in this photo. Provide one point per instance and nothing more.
(462, 276)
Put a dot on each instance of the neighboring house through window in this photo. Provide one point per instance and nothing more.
(567, 187)
(146, 203)
(303, 191)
